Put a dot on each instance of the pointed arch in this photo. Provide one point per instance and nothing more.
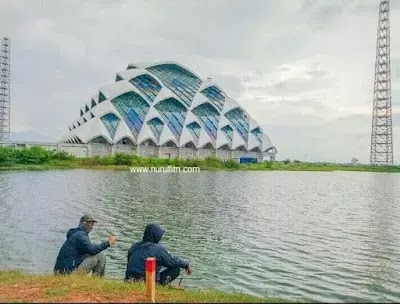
(208, 146)
(149, 142)
(190, 145)
(225, 147)
(99, 139)
(170, 144)
(125, 141)
(256, 149)
(241, 148)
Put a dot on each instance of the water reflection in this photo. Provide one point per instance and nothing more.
(382, 211)
(300, 235)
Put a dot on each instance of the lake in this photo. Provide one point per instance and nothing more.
(308, 236)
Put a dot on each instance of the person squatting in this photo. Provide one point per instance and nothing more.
(79, 255)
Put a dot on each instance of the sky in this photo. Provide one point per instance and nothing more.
(303, 69)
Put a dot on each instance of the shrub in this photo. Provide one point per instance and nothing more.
(7, 156)
(122, 159)
(286, 161)
(268, 164)
(231, 164)
(135, 160)
(192, 163)
(213, 162)
(176, 162)
(33, 155)
(156, 162)
(105, 161)
(91, 161)
(62, 155)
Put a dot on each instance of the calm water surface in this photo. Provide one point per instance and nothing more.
(296, 235)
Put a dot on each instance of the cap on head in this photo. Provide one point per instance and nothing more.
(88, 218)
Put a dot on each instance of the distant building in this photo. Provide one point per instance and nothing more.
(166, 110)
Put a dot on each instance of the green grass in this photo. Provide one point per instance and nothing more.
(47, 288)
(39, 159)
(208, 164)
(302, 166)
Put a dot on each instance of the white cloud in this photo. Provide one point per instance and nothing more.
(303, 69)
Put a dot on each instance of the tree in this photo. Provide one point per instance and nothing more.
(354, 161)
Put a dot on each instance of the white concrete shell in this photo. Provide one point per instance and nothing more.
(100, 111)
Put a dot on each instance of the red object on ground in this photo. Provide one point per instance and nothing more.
(151, 280)
(150, 265)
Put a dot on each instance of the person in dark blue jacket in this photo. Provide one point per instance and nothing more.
(79, 254)
(150, 247)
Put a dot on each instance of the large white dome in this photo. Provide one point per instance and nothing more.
(166, 103)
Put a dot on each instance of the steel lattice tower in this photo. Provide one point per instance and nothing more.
(381, 135)
(5, 90)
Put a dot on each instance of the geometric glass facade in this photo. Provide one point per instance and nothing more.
(174, 114)
(133, 108)
(209, 116)
(180, 81)
(156, 125)
(228, 131)
(215, 95)
(111, 122)
(194, 128)
(237, 118)
(147, 85)
(257, 133)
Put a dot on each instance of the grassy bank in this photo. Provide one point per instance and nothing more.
(16, 286)
(36, 158)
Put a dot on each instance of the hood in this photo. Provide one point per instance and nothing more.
(153, 233)
(72, 231)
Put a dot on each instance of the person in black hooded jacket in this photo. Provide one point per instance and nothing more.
(79, 254)
(150, 247)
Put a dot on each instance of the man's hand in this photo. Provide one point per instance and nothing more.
(112, 239)
(188, 270)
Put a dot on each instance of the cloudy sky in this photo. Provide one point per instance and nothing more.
(303, 69)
